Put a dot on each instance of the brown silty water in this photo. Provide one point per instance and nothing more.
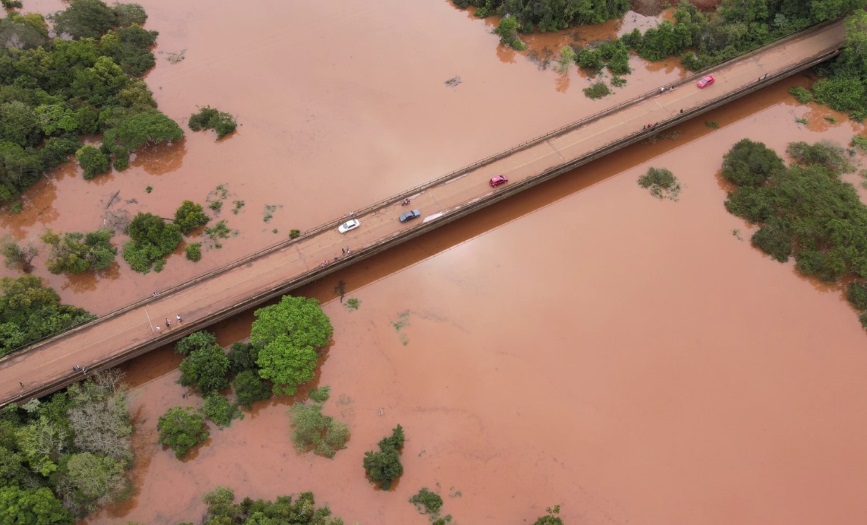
(583, 344)
(327, 124)
(586, 344)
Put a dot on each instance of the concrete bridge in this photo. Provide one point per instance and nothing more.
(129, 332)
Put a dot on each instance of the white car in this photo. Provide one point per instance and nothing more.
(351, 224)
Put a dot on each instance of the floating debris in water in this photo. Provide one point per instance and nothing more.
(453, 82)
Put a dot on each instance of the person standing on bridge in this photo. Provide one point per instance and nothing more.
(168, 323)
(158, 328)
(179, 319)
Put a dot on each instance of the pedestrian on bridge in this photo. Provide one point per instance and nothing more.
(168, 323)
(179, 319)
(158, 328)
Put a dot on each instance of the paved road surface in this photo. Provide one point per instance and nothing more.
(119, 336)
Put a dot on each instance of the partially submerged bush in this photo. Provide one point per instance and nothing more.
(210, 118)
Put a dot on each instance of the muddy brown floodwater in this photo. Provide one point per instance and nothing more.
(583, 344)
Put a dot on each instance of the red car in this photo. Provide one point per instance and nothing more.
(498, 180)
(705, 82)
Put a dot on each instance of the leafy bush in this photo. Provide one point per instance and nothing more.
(85, 19)
(508, 31)
(17, 255)
(190, 216)
(823, 153)
(427, 502)
(661, 182)
(320, 395)
(205, 369)
(30, 311)
(856, 293)
(201, 340)
(249, 388)
(597, 90)
(301, 511)
(242, 356)
(210, 118)
(294, 234)
(384, 467)
(751, 163)
(552, 517)
(218, 409)
(314, 431)
(152, 238)
(860, 142)
(193, 251)
(78, 252)
(182, 429)
(93, 161)
(775, 239)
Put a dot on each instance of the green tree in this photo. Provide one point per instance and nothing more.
(856, 293)
(17, 256)
(85, 19)
(249, 388)
(152, 238)
(182, 429)
(300, 319)
(93, 161)
(206, 370)
(42, 442)
(508, 31)
(20, 506)
(751, 163)
(218, 409)
(384, 467)
(242, 356)
(287, 334)
(143, 129)
(196, 341)
(78, 252)
(193, 252)
(30, 311)
(88, 481)
(190, 216)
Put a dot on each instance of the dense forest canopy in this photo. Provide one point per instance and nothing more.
(83, 82)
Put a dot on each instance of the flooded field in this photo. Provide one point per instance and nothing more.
(584, 344)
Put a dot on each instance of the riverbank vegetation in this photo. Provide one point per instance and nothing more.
(222, 510)
(803, 211)
(430, 503)
(65, 456)
(548, 15)
(30, 311)
(58, 90)
(384, 467)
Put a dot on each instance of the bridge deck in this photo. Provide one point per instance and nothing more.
(117, 337)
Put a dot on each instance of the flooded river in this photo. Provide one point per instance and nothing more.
(583, 344)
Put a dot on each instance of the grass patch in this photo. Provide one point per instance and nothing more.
(352, 303)
(312, 431)
(268, 213)
(219, 231)
(802, 95)
(712, 124)
(429, 503)
(831, 119)
(149, 189)
(236, 209)
(294, 234)
(859, 142)
(321, 394)
(661, 183)
(801, 121)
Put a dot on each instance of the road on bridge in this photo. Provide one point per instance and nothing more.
(48, 366)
